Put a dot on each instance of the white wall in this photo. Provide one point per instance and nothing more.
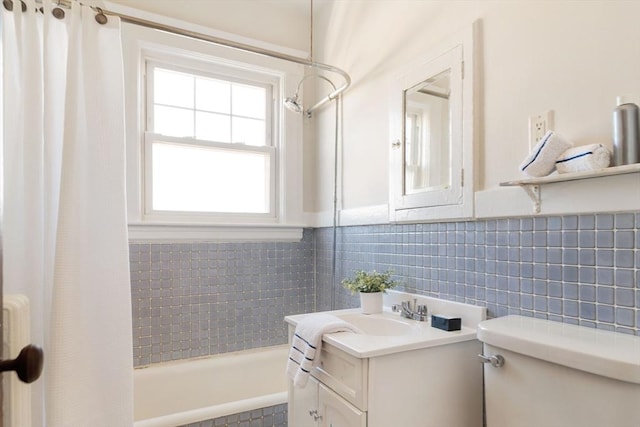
(280, 22)
(572, 57)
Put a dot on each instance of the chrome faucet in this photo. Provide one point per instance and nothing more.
(417, 312)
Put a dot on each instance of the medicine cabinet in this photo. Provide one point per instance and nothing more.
(432, 134)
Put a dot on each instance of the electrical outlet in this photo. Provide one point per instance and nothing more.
(538, 126)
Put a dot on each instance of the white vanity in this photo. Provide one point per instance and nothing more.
(399, 372)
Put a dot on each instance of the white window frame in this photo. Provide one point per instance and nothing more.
(284, 221)
(221, 73)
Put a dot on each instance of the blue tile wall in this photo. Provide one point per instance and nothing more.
(579, 269)
(272, 416)
(198, 299)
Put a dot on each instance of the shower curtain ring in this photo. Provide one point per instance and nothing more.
(101, 18)
(57, 11)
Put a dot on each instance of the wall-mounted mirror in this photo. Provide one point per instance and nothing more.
(431, 124)
(427, 134)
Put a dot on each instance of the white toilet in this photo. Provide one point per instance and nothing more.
(540, 373)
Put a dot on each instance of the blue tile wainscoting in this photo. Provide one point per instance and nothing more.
(582, 269)
(191, 300)
(198, 299)
(273, 416)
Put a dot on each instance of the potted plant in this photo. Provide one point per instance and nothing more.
(370, 286)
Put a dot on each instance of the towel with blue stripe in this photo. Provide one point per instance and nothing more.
(306, 344)
(584, 158)
(542, 159)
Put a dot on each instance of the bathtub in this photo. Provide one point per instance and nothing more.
(187, 391)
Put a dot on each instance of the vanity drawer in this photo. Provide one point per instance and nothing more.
(344, 374)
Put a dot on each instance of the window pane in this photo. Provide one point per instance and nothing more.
(173, 88)
(213, 127)
(173, 121)
(248, 131)
(249, 101)
(213, 95)
(202, 179)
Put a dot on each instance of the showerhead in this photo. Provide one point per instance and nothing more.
(293, 103)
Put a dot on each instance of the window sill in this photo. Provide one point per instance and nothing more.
(180, 233)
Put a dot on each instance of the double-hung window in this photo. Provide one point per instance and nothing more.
(211, 152)
(209, 146)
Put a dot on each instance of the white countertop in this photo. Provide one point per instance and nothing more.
(422, 335)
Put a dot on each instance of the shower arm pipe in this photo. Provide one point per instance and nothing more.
(333, 95)
(324, 100)
(241, 46)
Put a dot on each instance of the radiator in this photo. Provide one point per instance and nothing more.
(16, 401)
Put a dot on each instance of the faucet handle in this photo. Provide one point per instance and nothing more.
(422, 309)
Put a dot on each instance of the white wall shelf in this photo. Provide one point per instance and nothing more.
(532, 185)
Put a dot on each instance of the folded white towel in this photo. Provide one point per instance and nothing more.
(542, 160)
(584, 158)
(306, 344)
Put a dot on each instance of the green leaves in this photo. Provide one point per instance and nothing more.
(370, 282)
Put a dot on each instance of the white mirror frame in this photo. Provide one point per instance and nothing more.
(455, 202)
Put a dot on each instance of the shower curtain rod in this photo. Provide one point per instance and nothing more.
(243, 47)
(228, 43)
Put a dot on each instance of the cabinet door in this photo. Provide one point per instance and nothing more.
(337, 412)
(431, 126)
(303, 404)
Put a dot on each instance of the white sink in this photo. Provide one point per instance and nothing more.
(388, 332)
(383, 325)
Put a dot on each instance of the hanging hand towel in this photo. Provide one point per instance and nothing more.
(307, 341)
(584, 158)
(542, 160)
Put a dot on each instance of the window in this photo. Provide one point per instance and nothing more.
(211, 152)
(208, 145)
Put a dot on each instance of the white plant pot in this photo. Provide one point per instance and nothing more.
(371, 303)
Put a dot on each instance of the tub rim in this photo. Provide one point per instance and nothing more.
(218, 410)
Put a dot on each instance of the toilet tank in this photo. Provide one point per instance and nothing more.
(559, 375)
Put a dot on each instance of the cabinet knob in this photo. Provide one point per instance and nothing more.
(396, 143)
(314, 413)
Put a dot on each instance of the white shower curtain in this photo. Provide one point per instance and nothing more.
(65, 231)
